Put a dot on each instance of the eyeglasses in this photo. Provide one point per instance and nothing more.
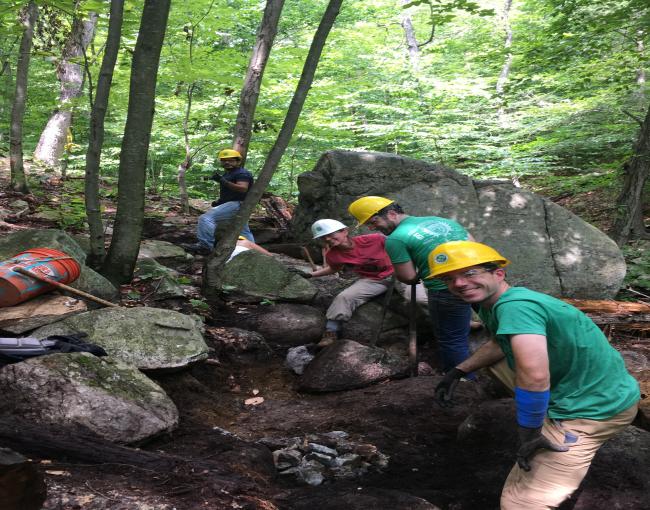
(468, 275)
(372, 221)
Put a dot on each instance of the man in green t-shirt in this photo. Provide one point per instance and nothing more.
(572, 390)
(409, 242)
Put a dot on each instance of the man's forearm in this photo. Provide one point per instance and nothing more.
(488, 354)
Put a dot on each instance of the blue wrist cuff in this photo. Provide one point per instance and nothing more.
(531, 407)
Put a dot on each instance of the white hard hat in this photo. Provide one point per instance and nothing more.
(321, 228)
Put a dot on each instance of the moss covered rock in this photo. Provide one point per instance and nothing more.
(252, 277)
(111, 398)
(150, 338)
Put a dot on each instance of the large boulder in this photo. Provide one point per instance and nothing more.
(89, 281)
(289, 324)
(252, 277)
(551, 249)
(150, 338)
(109, 397)
(347, 365)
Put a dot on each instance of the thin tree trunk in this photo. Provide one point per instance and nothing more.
(96, 135)
(629, 205)
(253, 80)
(505, 69)
(187, 162)
(51, 144)
(18, 180)
(411, 41)
(226, 243)
(123, 252)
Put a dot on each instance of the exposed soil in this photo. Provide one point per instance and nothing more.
(399, 417)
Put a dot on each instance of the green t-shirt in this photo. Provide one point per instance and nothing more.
(588, 376)
(416, 236)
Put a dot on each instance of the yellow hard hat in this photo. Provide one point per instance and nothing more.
(365, 208)
(456, 255)
(229, 153)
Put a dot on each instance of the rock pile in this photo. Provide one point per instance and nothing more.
(316, 458)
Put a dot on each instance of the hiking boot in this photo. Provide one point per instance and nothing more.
(196, 249)
(329, 337)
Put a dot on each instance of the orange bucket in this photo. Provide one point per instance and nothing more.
(52, 264)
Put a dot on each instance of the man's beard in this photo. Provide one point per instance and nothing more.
(387, 230)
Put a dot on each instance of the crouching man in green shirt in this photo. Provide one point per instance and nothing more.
(571, 388)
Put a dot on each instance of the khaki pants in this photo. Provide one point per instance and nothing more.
(362, 291)
(554, 476)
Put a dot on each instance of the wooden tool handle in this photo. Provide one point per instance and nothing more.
(305, 251)
(81, 293)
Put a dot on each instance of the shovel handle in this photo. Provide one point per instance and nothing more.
(307, 255)
(62, 286)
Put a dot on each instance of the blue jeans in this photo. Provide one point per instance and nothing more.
(450, 316)
(208, 223)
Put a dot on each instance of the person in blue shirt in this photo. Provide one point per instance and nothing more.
(234, 185)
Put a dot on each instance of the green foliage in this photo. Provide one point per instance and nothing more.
(637, 257)
(200, 305)
(565, 109)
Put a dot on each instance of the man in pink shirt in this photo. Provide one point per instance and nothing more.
(364, 255)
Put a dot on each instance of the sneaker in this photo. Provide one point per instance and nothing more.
(329, 337)
(196, 249)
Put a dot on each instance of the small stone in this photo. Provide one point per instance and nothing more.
(367, 451)
(292, 457)
(311, 472)
(349, 459)
(325, 460)
(315, 447)
(290, 471)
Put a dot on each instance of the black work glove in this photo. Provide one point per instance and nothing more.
(217, 177)
(531, 440)
(299, 272)
(215, 203)
(445, 389)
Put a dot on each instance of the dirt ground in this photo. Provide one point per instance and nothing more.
(399, 417)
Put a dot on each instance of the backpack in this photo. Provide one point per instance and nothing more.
(13, 350)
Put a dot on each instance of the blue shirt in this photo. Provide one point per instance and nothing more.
(235, 175)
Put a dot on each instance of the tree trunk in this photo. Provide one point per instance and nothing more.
(52, 142)
(212, 278)
(505, 69)
(251, 88)
(630, 222)
(187, 162)
(96, 135)
(411, 41)
(123, 252)
(18, 180)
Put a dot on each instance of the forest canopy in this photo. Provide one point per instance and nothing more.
(491, 88)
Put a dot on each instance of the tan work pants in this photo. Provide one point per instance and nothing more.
(554, 476)
(362, 291)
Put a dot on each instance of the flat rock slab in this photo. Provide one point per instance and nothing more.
(37, 312)
(109, 397)
(163, 251)
(150, 338)
(346, 365)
